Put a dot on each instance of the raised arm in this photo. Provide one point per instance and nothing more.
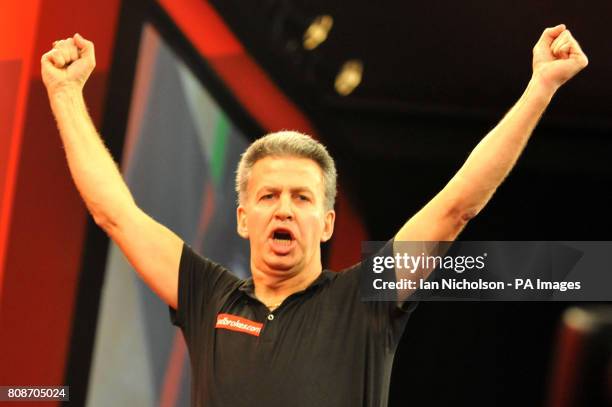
(151, 248)
(556, 58)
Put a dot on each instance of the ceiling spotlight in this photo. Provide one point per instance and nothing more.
(317, 31)
(349, 77)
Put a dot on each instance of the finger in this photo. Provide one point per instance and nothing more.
(576, 53)
(563, 51)
(562, 38)
(56, 58)
(575, 45)
(65, 54)
(570, 48)
(47, 59)
(557, 45)
(554, 47)
(72, 48)
(68, 50)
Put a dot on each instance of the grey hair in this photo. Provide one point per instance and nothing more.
(288, 144)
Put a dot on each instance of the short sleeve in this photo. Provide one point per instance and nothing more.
(201, 281)
(387, 317)
(397, 310)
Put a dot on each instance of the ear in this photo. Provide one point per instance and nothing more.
(241, 218)
(328, 226)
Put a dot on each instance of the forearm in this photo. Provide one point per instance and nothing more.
(557, 57)
(496, 154)
(92, 167)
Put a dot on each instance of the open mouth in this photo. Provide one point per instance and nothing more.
(282, 241)
(282, 237)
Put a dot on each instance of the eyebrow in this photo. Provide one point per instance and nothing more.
(293, 190)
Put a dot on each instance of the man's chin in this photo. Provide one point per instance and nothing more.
(281, 263)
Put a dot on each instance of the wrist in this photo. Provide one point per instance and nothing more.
(65, 93)
(67, 100)
(541, 87)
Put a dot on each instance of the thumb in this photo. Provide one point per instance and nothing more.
(549, 35)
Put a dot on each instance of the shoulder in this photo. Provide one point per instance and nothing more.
(206, 273)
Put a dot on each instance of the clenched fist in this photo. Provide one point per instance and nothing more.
(68, 65)
(557, 57)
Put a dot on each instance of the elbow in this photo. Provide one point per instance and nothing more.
(104, 221)
(110, 217)
(460, 216)
(468, 214)
(463, 210)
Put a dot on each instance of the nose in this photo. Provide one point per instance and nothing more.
(284, 211)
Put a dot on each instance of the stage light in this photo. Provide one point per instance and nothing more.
(318, 31)
(349, 77)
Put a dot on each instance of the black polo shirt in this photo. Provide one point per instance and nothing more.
(322, 347)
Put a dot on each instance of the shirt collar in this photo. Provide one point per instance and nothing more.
(248, 286)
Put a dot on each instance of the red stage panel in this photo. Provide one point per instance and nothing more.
(44, 242)
(17, 29)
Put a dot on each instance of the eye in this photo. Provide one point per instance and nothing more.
(303, 198)
(266, 197)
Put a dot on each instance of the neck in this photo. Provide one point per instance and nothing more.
(273, 286)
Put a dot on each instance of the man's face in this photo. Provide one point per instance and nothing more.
(283, 215)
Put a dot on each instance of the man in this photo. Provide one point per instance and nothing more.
(294, 334)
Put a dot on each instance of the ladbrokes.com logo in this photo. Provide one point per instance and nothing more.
(238, 324)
